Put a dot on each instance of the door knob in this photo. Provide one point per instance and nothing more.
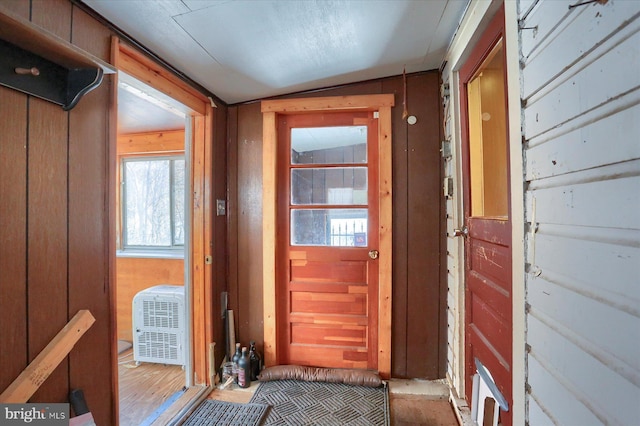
(374, 254)
(463, 232)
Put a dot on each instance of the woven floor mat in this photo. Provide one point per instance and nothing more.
(316, 403)
(212, 412)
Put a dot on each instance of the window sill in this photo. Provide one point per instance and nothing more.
(150, 254)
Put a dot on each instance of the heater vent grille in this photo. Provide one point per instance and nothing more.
(158, 325)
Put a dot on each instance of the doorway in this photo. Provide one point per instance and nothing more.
(487, 216)
(313, 258)
(184, 154)
(327, 267)
(152, 274)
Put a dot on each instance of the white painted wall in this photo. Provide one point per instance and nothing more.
(576, 146)
(581, 127)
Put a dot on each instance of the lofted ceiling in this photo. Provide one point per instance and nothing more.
(243, 50)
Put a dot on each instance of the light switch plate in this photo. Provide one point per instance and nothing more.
(221, 207)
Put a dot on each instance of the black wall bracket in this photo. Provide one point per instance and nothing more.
(39, 63)
(29, 73)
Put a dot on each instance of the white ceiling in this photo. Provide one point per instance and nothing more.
(243, 50)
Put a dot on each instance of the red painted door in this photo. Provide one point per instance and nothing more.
(488, 279)
(327, 268)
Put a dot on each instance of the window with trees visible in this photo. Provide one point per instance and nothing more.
(153, 213)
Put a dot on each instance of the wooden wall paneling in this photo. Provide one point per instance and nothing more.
(47, 237)
(89, 286)
(219, 243)
(400, 231)
(233, 232)
(250, 303)
(18, 7)
(47, 214)
(367, 87)
(13, 234)
(54, 16)
(89, 227)
(424, 218)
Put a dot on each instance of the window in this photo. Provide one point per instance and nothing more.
(329, 169)
(153, 202)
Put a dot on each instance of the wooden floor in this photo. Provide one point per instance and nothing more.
(406, 409)
(143, 388)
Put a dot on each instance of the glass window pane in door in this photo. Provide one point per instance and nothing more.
(488, 138)
(337, 186)
(329, 145)
(329, 227)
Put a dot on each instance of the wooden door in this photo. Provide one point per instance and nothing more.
(488, 300)
(327, 267)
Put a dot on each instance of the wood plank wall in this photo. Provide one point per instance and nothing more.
(54, 222)
(582, 197)
(419, 286)
(135, 274)
(219, 245)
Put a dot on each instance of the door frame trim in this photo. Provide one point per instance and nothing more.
(382, 104)
(128, 59)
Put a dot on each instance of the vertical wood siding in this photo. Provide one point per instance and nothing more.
(55, 224)
(419, 293)
(581, 95)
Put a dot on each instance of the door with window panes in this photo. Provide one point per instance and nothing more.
(327, 267)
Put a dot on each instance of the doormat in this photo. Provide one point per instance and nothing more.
(211, 412)
(317, 403)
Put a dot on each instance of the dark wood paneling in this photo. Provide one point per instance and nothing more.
(55, 179)
(249, 305)
(19, 7)
(88, 34)
(54, 16)
(424, 227)
(232, 211)
(47, 214)
(13, 234)
(89, 286)
(419, 292)
(219, 191)
(47, 236)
